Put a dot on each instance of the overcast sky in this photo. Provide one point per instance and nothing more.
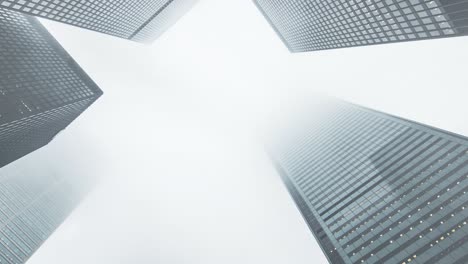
(176, 138)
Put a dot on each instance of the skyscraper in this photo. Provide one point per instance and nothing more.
(311, 25)
(375, 188)
(138, 20)
(42, 89)
(34, 201)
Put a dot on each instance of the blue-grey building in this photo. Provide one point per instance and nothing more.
(376, 188)
(138, 20)
(42, 89)
(34, 201)
(309, 25)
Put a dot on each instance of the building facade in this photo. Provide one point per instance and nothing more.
(375, 188)
(311, 25)
(34, 202)
(42, 89)
(138, 20)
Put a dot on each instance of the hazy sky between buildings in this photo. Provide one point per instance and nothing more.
(176, 138)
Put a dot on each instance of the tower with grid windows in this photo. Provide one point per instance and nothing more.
(311, 25)
(42, 89)
(375, 188)
(138, 20)
(35, 200)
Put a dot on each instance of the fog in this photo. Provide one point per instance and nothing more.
(176, 140)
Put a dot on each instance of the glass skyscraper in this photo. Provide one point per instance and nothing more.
(375, 188)
(310, 25)
(34, 202)
(138, 20)
(42, 89)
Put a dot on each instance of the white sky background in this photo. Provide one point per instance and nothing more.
(175, 137)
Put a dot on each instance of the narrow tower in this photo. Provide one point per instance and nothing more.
(35, 199)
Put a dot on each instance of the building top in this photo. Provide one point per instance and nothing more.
(139, 20)
(42, 89)
(37, 74)
(319, 25)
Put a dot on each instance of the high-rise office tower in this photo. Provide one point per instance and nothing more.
(42, 89)
(138, 20)
(34, 202)
(309, 25)
(375, 188)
